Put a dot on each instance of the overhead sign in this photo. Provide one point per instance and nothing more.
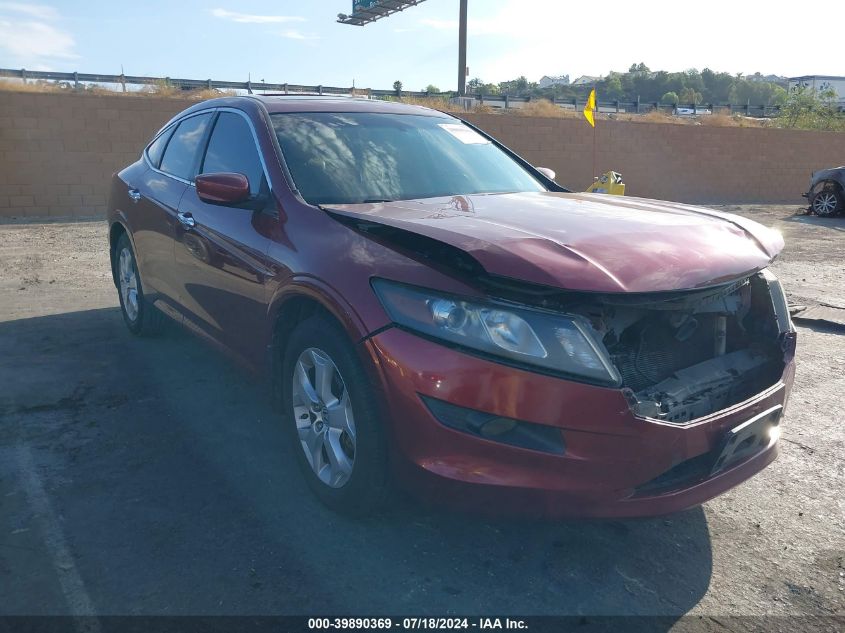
(357, 5)
(368, 11)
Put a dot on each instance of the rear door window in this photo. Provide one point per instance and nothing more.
(232, 149)
(182, 153)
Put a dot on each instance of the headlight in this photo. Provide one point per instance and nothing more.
(553, 342)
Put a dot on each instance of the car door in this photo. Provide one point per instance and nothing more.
(221, 253)
(172, 159)
(152, 200)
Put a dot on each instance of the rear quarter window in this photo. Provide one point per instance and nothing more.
(155, 150)
(182, 153)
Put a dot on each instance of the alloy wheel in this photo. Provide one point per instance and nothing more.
(825, 203)
(325, 424)
(128, 279)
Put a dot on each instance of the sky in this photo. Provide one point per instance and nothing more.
(299, 41)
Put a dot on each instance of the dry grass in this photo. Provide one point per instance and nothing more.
(545, 109)
(159, 89)
(540, 108)
(659, 116)
(713, 120)
(210, 93)
(442, 104)
(726, 120)
(435, 103)
(9, 85)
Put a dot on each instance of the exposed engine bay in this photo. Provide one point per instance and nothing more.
(688, 357)
(687, 354)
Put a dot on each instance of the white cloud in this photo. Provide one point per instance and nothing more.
(293, 34)
(247, 18)
(30, 37)
(38, 11)
(440, 25)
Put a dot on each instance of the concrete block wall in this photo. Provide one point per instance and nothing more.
(698, 164)
(58, 152)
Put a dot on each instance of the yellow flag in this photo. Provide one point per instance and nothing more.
(590, 108)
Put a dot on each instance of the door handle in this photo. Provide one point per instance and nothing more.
(134, 195)
(186, 220)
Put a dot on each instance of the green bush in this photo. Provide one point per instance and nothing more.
(808, 109)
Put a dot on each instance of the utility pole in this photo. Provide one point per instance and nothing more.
(462, 50)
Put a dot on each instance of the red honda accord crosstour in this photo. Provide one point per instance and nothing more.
(434, 311)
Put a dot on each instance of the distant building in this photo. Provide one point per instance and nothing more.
(820, 83)
(585, 80)
(560, 80)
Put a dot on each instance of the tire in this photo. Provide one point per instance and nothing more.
(827, 201)
(140, 316)
(320, 419)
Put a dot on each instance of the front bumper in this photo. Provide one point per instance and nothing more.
(611, 456)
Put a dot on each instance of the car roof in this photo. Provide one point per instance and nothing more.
(319, 103)
(322, 103)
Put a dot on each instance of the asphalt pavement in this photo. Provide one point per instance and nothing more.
(151, 477)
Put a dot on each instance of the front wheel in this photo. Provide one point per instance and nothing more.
(827, 200)
(332, 419)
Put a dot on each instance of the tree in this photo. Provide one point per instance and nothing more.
(474, 83)
(518, 86)
(801, 102)
(612, 87)
(757, 92)
(689, 95)
(477, 86)
(639, 82)
(717, 86)
(397, 86)
(670, 97)
(431, 89)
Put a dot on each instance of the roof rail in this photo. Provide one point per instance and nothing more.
(294, 95)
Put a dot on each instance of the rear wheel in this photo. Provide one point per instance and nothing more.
(827, 201)
(332, 419)
(139, 315)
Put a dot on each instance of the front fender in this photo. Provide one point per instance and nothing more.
(328, 297)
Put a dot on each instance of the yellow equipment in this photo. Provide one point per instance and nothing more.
(609, 182)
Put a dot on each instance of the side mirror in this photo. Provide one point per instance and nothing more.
(548, 173)
(222, 188)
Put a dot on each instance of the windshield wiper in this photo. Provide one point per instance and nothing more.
(376, 200)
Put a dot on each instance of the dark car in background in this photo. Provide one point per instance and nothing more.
(827, 192)
(433, 310)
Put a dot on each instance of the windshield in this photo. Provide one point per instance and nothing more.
(348, 158)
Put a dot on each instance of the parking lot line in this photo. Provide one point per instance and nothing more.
(77, 598)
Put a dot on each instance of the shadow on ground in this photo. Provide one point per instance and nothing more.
(177, 495)
(835, 223)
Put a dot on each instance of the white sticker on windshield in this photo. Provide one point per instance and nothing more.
(464, 134)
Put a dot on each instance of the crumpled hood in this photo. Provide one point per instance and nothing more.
(591, 242)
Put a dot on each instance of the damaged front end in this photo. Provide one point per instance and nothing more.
(686, 355)
(677, 355)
